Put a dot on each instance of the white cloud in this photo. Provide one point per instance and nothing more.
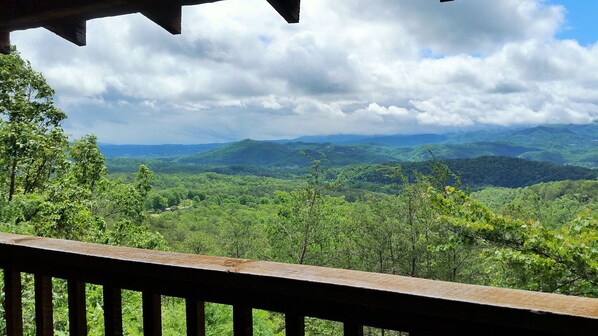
(151, 104)
(352, 66)
(271, 102)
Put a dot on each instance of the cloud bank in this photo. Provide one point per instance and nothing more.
(354, 66)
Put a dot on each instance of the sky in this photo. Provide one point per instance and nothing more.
(349, 67)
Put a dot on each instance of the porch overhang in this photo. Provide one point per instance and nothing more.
(68, 18)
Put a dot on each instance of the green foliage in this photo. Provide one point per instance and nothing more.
(552, 204)
(143, 181)
(301, 216)
(505, 172)
(31, 141)
(87, 162)
(397, 232)
(52, 189)
(563, 260)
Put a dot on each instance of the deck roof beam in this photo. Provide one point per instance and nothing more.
(67, 18)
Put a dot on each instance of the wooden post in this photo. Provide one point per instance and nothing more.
(152, 314)
(13, 303)
(352, 329)
(196, 317)
(77, 308)
(294, 325)
(44, 321)
(242, 320)
(113, 317)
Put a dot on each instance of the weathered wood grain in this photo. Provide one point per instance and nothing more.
(377, 300)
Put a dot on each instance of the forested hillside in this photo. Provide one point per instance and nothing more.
(506, 172)
(475, 173)
(384, 232)
(297, 154)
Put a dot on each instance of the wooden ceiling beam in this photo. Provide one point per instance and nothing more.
(74, 31)
(166, 15)
(288, 9)
(67, 18)
(25, 14)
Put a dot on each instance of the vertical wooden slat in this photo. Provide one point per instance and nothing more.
(13, 303)
(77, 308)
(242, 320)
(113, 316)
(152, 314)
(44, 321)
(294, 325)
(352, 329)
(196, 317)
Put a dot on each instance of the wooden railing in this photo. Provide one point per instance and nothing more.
(357, 299)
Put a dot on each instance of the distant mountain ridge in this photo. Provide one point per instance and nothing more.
(560, 144)
(377, 140)
(290, 154)
(137, 151)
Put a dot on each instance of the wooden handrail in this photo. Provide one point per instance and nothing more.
(352, 297)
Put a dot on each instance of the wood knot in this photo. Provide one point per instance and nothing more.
(234, 263)
(24, 239)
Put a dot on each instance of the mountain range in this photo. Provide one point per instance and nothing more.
(559, 144)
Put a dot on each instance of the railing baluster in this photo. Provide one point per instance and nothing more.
(77, 308)
(294, 325)
(113, 316)
(152, 314)
(44, 321)
(196, 317)
(242, 320)
(13, 302)
(352, 329)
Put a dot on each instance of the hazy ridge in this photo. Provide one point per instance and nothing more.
(559, 144)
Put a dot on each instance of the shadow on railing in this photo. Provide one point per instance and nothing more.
(357, 299)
